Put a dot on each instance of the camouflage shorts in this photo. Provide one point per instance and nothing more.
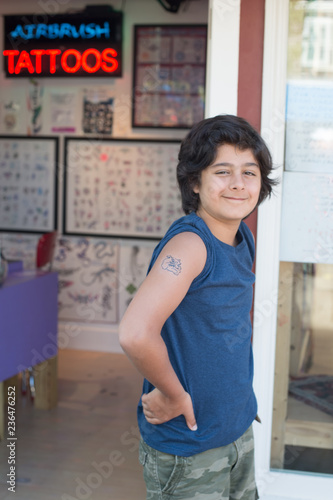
(225, 473)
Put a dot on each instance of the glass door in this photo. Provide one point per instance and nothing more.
(302, 425)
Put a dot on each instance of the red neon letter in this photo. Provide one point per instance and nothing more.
(64, 57)
(53, 53)
(106, 57)
(38, 53)
(85, 66)
(24, 62)
(11, 54)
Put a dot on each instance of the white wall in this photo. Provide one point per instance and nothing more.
(222, 57)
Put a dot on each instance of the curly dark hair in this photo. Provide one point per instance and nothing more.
(199, 149)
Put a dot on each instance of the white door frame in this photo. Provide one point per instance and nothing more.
(222, 57)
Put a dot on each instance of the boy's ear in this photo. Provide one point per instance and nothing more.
(195, 183)
(195, 186)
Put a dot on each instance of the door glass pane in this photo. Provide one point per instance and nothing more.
(302, 429)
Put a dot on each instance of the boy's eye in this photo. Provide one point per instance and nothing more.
(222, 172)
(248, 172)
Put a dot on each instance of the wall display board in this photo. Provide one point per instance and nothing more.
(120, 187)
(169, 75)
(88, 280)
(309, 127)
(307, 218)
(28, 187)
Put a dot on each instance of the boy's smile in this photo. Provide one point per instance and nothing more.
(229, 189)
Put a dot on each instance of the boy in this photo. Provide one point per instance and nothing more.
(188, 329)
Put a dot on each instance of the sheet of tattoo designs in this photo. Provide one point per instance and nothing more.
(88, 280)
(134, 262)
(170, 71)
(20, 247)
(123, 188)
(27, 184)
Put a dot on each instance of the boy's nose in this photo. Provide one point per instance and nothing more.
(236, 182)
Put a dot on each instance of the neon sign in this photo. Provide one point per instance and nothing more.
(105, 60)
(60, 31)
(66, 46)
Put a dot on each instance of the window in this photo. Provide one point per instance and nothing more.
(302, 429)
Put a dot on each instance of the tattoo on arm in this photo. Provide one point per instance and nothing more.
(171, 264)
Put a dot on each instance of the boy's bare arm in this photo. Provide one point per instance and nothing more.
(181, 260)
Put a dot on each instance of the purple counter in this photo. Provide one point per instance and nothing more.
(28, 320)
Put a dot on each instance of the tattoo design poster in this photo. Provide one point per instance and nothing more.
(11, 115)
(35, 107)
(20, 247)
(97, 112)
(134, 262)
(169, 75)
(121, 187)
(28, 184)
(307, 234)
(63, 107)
(88, 280)
(309, 127)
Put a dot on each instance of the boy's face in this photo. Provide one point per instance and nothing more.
(229, 188)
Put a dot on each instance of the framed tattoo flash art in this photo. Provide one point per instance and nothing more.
(120, 187)
(28, 183)
(169, 75)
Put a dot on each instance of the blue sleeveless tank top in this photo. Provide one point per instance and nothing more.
(208, 338)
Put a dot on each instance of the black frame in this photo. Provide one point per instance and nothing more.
(135, 236)
(55, 140)
(177, 98)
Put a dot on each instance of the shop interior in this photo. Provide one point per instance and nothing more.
(105, 147)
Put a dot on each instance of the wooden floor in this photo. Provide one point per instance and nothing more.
(87, 447)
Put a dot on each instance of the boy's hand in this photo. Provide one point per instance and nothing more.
(158, 408)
